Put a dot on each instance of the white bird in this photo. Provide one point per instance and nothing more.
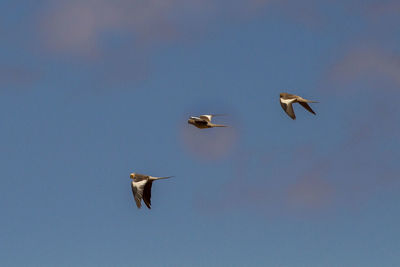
(287, 100)
(204, 121)
(141, 188)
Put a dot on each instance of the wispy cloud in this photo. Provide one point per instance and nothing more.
(123, 34)
(367, 64)
(80, 26)
(11, 76)
(383, 8)
(312, 190)
(119, 37)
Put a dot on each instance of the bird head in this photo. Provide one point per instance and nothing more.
(132, 175)
(191, 120)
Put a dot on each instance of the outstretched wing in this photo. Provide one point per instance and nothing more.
(288, 107)
(147, 194)
(137, 191)
(306, 106)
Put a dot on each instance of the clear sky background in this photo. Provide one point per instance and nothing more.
(91, 91)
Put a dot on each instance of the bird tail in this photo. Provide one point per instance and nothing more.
(159, 178)
(309, 101)
(217, 125)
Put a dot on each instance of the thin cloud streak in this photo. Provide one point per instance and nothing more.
(80, 26)
(380, 8)
(121, 36)
(366, 63)
(11, 76)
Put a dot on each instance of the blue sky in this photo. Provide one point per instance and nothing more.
(91, 91)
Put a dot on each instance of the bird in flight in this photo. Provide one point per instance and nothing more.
(288, 99)
(141, 188)
(204, 121)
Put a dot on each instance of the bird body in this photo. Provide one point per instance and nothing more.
(287, 100)
(141, 188)
(204, 121)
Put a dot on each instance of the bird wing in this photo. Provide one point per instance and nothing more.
(201, 122)
(137, 191)
(147, 194)
(206, 117)
(291, 96)
(287, 106)
(306, 106)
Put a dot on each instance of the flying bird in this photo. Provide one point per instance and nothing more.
(288, 99)
(204, 121)
(141, 188)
